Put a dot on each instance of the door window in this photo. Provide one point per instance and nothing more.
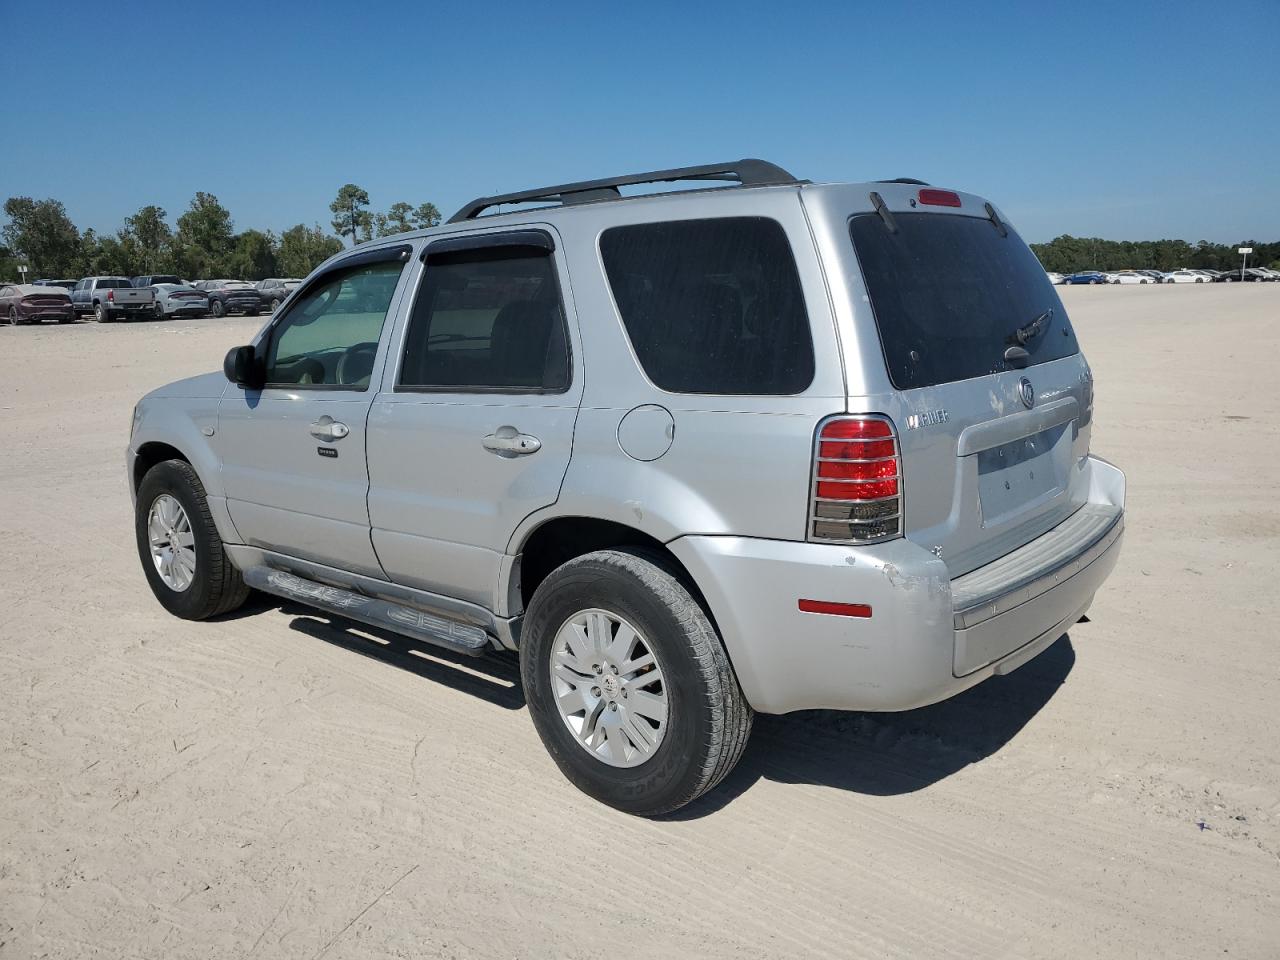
(329, 338)
(488, 319)
(712, 306)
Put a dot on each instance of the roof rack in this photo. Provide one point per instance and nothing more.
(749, 173)
(911, 180)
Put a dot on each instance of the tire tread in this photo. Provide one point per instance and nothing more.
(730, 715)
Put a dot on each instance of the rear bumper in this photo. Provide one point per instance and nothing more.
(929, 637)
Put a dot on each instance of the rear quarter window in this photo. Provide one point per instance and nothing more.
(950, 295)
(712, 306)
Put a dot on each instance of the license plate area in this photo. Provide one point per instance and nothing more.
(1023, 473)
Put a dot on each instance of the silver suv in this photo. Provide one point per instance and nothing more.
(766, 446)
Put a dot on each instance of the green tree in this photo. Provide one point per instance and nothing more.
(9, 262)
(110, 258)
(151, 239)
(395, 220)
(304, 248)
(426, 216)
(204, 240)
(42, 235)
(349, 216)
(254, 256)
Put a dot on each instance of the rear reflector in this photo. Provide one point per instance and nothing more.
(835, 609)
(856, 489)
(940, 198)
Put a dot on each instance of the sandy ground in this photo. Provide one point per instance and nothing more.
(275, 785)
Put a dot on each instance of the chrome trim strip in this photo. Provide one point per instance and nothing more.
(895, 476)
(892, 496)
(852, 459)
(983, 436)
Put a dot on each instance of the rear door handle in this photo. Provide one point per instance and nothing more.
(329, 429)
(509, 442)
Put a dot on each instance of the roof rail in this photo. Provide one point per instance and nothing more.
(749, 173)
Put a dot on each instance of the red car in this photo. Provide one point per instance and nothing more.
(28, 303)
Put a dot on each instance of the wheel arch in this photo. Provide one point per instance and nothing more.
(154, 452)
(177, 428)
(557, 540)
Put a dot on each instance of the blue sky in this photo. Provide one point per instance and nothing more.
(1145, 121)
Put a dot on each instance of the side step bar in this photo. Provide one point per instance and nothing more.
(458, 637)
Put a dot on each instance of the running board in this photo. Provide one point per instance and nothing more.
(458, 637)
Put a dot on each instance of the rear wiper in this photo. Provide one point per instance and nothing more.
(1025, 334)
(882, 209)
(1016, 355)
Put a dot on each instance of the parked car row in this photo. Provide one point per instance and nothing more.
(1185, 275)
(158, 296)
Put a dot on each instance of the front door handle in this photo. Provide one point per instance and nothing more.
(329, 429)
(509, 442)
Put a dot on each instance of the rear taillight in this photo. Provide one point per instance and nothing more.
(857, 480)
(111, 296)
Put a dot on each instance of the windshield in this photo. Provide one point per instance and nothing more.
(951, 295)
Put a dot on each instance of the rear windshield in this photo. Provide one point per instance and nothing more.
(114, 283)
(950, 295)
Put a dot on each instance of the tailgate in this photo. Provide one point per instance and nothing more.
(994, 398)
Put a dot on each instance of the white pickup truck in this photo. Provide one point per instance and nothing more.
(111, 298)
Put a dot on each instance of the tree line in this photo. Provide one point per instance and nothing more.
(1068, 254)
(204, 245)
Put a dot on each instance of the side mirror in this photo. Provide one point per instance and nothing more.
(242, 368)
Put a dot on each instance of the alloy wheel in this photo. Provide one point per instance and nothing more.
(609, 688)
(173, 543)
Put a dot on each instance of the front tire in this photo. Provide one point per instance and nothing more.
(159, 311)
(182, 555)
(101, 314)
(13, 316)
(598, 631)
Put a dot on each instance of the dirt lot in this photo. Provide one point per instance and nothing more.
(276, 785)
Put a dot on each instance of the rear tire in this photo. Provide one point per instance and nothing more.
(217, 309)
(215, 585)
(275, 305)
(706, 718)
